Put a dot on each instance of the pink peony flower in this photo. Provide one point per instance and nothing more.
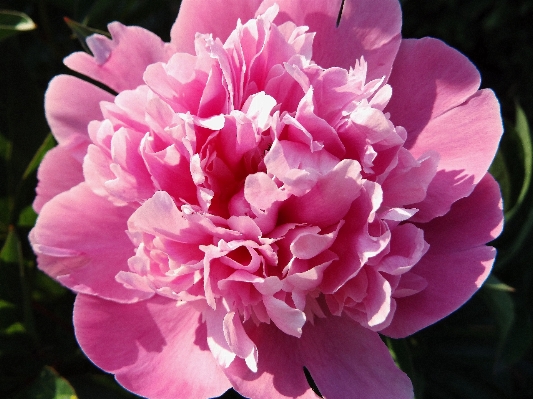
(266, 192)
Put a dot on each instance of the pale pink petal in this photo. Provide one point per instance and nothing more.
(279, 373)
(455, 268)
(120, 62)
(347, 360)
(369, 28)
(287, 319)
(428, 79)
(409, 180)
(70, 104)
(219, 18)
(216, 339)
(407, 246)
(378, 299)
(239, 341)
(59, 171)
(466, 138)
(80, 240)
(154, 348)
(333, 195)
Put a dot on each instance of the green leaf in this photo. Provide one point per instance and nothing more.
(523, 133)
(12, 22)
(500, 302)
(494, 284)
(27, 217)
(48, 143)
(48, 385)
(499, 170)
(10, 252)
(11, 255)
(82, 31)
(6, 148)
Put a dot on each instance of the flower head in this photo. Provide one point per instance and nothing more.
(264, 193)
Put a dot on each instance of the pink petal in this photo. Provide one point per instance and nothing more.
(239, 341)
(428, 79)
(347, 360)
(471, 222)
(369, 28)
(466, 138)
(80, 240)
(70, 104)
(333, 195)
(409, 180)
(287, 319)
(120, 62)
(59, 171)
(407, 246)
(219, 18)
(280, 372)
(456, 267)
(155, 348)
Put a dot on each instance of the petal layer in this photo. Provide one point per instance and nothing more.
(80, 240)
(120, 62)
(467, 138)
(347, 360)
(457, 262)
(369, 28)
(70, 104)
(218, 17)
(428, 79)
(280, 372)
(155, 348)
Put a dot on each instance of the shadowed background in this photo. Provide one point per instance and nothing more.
(482, 351)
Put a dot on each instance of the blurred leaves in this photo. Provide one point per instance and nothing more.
(13, 22)
(48, 385)
(48, 143)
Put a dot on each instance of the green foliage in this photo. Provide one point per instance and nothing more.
(12, 22)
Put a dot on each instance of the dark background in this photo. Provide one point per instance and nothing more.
(481, 351)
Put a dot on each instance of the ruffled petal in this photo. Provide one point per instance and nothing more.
(347, 360)
(120, 62)
(369, 28)
(80, 240)
(155, 348)
(457, 262)
(70, 104)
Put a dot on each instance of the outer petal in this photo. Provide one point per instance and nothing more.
(119, 63)
(155, 348)
(457, 262)
(466, 138)
(59, 171)
(369, 28)
(280, 369)
(80, 240)
(347, 360)
(428, 79)
(70, 104)
(218, 17)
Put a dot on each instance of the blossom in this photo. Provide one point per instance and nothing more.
(268, 191)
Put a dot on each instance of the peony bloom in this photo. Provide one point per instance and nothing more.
(266, 192)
